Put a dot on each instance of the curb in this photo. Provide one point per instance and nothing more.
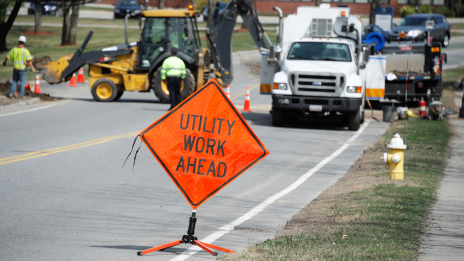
(20, 103)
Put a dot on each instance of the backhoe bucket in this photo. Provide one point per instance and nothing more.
(51, 71)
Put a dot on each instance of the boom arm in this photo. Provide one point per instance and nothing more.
(220, 35)
(62, 70)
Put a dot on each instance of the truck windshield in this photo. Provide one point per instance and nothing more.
(319, 52)
(413, 21)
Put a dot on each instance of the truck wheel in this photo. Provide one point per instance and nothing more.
(104, 90)
(277, 117)
(354, 120)
(118, 95)
(161, 89)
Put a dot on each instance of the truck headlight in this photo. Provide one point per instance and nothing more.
(354, 89)
(414, 33)
(279, 86)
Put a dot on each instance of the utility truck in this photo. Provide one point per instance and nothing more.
(322, 66)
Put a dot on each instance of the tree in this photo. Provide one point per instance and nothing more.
(6, 26)
(374, 4)
(38, 16)
(70, 19)
(211, 7)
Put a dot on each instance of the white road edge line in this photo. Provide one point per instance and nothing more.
(35, 109)
(269, 201)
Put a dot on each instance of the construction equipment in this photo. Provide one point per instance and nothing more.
(136, 66)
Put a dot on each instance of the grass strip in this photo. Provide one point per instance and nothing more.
(365, 215)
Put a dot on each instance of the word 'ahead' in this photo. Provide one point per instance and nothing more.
(203, 144)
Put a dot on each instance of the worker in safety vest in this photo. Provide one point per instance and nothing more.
(21, 57)
(173, 75)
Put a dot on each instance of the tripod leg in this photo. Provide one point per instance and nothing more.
(200, 244)
(174, 243)
(218, 248)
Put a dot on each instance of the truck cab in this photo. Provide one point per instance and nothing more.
(320, 66)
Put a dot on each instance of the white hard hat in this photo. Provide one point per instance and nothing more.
(22, 38)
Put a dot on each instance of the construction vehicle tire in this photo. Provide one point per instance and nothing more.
(354, 121)
(104, 90)
(277, 117)
(161, 89)
(118, 95)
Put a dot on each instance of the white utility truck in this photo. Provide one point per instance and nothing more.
(322, 67)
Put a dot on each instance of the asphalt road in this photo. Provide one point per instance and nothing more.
(65, 196)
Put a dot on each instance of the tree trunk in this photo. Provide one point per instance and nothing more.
(66, 23)
(6, 26)
(374, 4)
(318, 2)
(211, 7)
(38, 17)
(73, 25)
(160, 4)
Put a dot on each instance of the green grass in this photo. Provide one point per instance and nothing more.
(382, 222)
(455, 34)
(59, 20)
(94, 8)
(103, 37)
(457, 26)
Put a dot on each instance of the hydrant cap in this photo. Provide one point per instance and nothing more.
(397, 143)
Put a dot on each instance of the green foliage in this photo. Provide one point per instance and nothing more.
(461, 11)
(407, 10)
(444, 11)
(425, 9)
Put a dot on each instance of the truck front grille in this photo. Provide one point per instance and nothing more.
(321, 84)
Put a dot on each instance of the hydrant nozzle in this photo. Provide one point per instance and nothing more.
(395, 158)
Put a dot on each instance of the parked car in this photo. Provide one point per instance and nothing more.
(127, 6)
(374, 28)
(219, 7)
(414, 27)
(48, 8)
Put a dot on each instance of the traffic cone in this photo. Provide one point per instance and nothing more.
(37, 84)
(72, 82)
(228, 91)
(246, 106)
(80, 76)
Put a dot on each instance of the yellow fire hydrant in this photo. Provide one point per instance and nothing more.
(395, 158)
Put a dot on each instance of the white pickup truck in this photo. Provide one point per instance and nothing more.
(322, 67)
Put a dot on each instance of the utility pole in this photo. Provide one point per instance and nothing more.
(211, 7)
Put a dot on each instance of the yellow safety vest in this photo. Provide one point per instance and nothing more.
(20, 57)
(173, 67)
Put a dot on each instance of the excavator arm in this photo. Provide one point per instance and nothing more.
(220, 35)
(63, 69)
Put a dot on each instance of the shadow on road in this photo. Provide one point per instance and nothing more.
(265, 119)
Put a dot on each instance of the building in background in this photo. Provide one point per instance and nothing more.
(154, 3)
(358, 7)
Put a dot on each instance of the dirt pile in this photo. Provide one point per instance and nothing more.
(5, 85)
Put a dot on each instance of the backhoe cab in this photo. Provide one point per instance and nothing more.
(137, 66)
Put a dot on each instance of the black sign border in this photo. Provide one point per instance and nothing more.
(239, 116)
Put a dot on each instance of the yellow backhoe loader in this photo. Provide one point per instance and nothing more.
(136, 66)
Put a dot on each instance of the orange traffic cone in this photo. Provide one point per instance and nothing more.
(80, 76)
(228, 91)
(37, 84)
(246, 106)
(72, 82)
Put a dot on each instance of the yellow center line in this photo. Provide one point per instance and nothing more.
(243, 91)
(42, 153)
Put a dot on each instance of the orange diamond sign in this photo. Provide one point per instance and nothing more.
(203, 144)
